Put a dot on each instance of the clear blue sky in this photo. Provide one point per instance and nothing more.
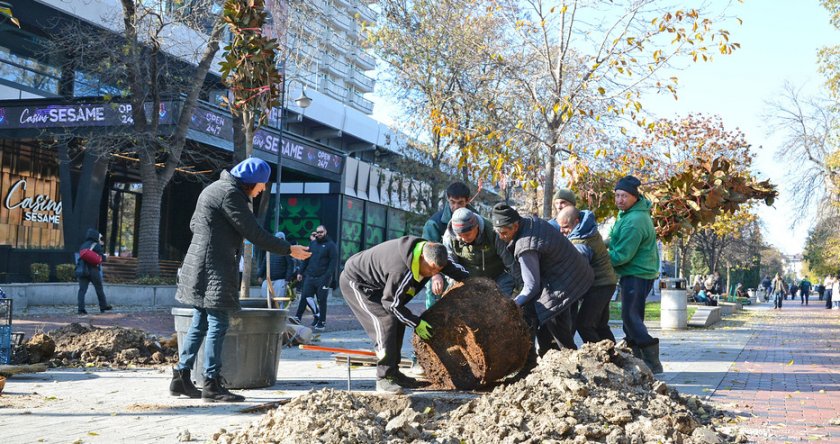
(779, 42)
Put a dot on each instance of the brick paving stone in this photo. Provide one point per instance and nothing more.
(788, 378)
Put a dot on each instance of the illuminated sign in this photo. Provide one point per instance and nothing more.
(38, 208)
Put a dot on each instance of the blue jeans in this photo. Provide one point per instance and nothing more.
(209, 323)
(634, 291)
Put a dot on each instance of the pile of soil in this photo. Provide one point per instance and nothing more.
(79, 345)
(479, 337)
(596, 394)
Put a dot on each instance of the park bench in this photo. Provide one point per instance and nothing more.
(705, 316)
(124, 269)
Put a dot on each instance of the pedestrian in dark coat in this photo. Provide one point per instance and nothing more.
(282, 271)
(208, 279)
(317, 274)
(88, 273)
(378, 283)
(554, 275)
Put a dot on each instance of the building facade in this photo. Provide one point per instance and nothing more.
(55, 185)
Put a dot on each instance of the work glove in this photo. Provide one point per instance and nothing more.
(423, 330)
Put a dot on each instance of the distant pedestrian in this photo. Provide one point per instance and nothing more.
(835, 291)
(793, 288)
(804, 291)
(779, 290)
(208, 278)
(317, 274)
(89, 271)
(828, 282)
(282, 271)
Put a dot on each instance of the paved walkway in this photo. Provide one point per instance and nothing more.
(786, 380)
(743, 364)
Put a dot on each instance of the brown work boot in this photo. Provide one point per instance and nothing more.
(181, 384)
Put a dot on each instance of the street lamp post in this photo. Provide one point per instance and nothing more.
(302, 101)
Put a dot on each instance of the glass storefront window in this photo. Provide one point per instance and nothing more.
(28, 71)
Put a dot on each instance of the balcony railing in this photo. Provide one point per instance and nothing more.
(333, 89)
(337, 42)
(341, 20)
(363, 60)
(337, 66)
(363, 82)
(360, 103)
(365, 13)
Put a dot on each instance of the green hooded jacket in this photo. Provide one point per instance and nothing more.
(632, 245)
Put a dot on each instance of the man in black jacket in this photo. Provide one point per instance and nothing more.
(209, 280)
(91, 274)
(378, 283)
(554, 275)
(317, 274)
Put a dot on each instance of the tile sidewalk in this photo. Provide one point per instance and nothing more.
(66, 405)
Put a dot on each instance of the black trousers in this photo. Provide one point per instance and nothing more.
(313, 296)
(828, 296)
(382, 327)
(593, 317)
(803, 296)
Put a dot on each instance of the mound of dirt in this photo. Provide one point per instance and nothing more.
(596, 394)
(77, 344)
(479, 337)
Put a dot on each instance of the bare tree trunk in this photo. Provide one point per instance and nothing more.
(148, 251)
(248, 121)
(548, 185)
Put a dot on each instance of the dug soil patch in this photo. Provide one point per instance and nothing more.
(596, 394)
(479, 337)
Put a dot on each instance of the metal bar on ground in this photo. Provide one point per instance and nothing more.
(349, 351)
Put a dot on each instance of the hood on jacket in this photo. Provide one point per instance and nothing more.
(587, 227)
(92, 235)
(642, 205)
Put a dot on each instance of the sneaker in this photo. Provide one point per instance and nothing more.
(387, 385)
(295, 320)
(82, 312)
(105, 308)
(319, 326)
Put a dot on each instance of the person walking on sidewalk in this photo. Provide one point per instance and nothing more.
(317, 274)
(208, 279)
(804, 291)
(835, 291)
(89, 271)
(828, 283)
(593, 317)
(779, 289)
(377, 283)
(282, 271)
(635, 259)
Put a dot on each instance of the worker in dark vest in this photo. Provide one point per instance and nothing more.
(554, 274)
(593, 316)
(377, 283)
(471, 242)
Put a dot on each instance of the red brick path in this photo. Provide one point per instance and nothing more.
(788, 376)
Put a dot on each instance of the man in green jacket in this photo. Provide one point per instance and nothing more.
(635, 258)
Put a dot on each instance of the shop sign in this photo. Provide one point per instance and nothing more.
(38, 208)
(75, 115)
(266, 141)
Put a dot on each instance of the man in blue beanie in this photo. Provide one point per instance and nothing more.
(635, 259)
(209, 277)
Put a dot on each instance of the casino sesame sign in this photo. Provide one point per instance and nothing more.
(31, 206)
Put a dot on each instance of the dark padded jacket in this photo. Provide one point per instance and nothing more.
(282, 267)
(383, 273)
(565, 275)
(209, 277)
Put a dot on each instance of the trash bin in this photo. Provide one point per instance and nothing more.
(752, 294)
(674, 304)
(251, 349)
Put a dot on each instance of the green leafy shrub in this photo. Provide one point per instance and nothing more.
(65, 272)
(39, 272)
(153, 280)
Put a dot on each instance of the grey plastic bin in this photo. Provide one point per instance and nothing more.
(251, 349)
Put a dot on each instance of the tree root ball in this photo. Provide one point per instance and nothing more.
(479, 337)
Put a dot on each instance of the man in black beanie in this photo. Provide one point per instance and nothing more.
(635, 259)
(554, 275)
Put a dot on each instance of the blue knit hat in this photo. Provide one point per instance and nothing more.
(251, 170)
